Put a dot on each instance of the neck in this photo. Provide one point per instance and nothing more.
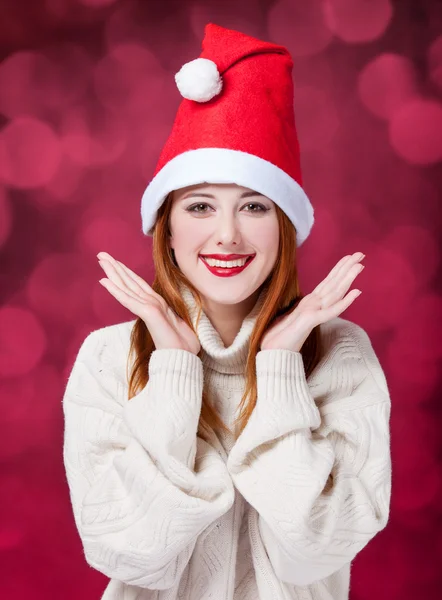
(223, 355)
(228, 318)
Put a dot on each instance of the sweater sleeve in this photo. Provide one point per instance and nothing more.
(143, 486)
(318, 476)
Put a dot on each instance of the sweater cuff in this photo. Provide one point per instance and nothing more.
(176, 373)
(164, 416)
(283, 389)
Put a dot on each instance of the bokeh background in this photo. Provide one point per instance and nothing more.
(87, 100)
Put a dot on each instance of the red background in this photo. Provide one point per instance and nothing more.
(87, 99)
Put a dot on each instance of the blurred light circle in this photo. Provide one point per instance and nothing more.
(358, 21)
(387, 283)
(128, 22)
(60, 286)
(386, 83)
(414, 350)
(37, 425)
(32, 83)
(79, 333)
(30, 153)
(419, 247)
(20, 80)
(318, 120)
(116, 237)
(67, 82)
(93, 140)
(415, 132)
(22, 395)
(22, 341)
(61, 189)
(423, 334)
(301, 27)
(129, 80)
(405, 187)
(325, 237)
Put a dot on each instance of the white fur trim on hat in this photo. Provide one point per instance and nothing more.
(223, 165)
(199, 80)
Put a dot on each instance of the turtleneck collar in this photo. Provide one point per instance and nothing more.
(214, 354)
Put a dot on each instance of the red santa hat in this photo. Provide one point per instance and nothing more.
(236, 124)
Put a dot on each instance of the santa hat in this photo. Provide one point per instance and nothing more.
(236, 124)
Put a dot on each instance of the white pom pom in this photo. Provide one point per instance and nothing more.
(199, 80)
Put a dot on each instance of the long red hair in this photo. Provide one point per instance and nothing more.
(282, 296)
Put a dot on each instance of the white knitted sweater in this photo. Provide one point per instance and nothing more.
(277, 515)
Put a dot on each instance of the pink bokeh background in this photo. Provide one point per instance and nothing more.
(87, 100)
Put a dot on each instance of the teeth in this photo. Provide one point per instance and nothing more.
(212, 262)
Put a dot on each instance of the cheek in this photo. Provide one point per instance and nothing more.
(188, 236)
(185, 231)
(264, 234)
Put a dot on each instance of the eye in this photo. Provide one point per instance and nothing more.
(194, 206)
(261, 207)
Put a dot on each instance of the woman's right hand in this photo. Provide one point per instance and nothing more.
(168, 331)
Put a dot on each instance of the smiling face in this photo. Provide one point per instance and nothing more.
(224, 219)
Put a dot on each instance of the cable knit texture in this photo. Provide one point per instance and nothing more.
(278, 514)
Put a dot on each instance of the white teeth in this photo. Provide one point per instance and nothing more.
(212, 262)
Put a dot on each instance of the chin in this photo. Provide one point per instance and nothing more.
(227, 297)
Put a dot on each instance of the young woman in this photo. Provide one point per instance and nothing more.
(233, 441)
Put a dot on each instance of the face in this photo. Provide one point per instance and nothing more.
(224, 219)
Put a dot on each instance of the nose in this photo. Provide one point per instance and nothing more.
(228, 231)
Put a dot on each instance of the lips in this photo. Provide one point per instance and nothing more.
(226, 256)
(227, 271)
(249, 258)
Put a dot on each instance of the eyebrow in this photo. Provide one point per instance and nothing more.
(204, 195)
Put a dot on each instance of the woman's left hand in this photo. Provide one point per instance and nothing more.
(326, 302)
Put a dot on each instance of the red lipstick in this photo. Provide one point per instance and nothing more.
(228, 272)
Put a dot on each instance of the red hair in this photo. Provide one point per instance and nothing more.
(281, 297)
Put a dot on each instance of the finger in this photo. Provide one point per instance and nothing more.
(337, 289)
(338, 274)
(127, 300)
(343, 266)
(338, 308)
(140, 281)
(332, 273)
(143, 285)
(129, 281)
(114, 277)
